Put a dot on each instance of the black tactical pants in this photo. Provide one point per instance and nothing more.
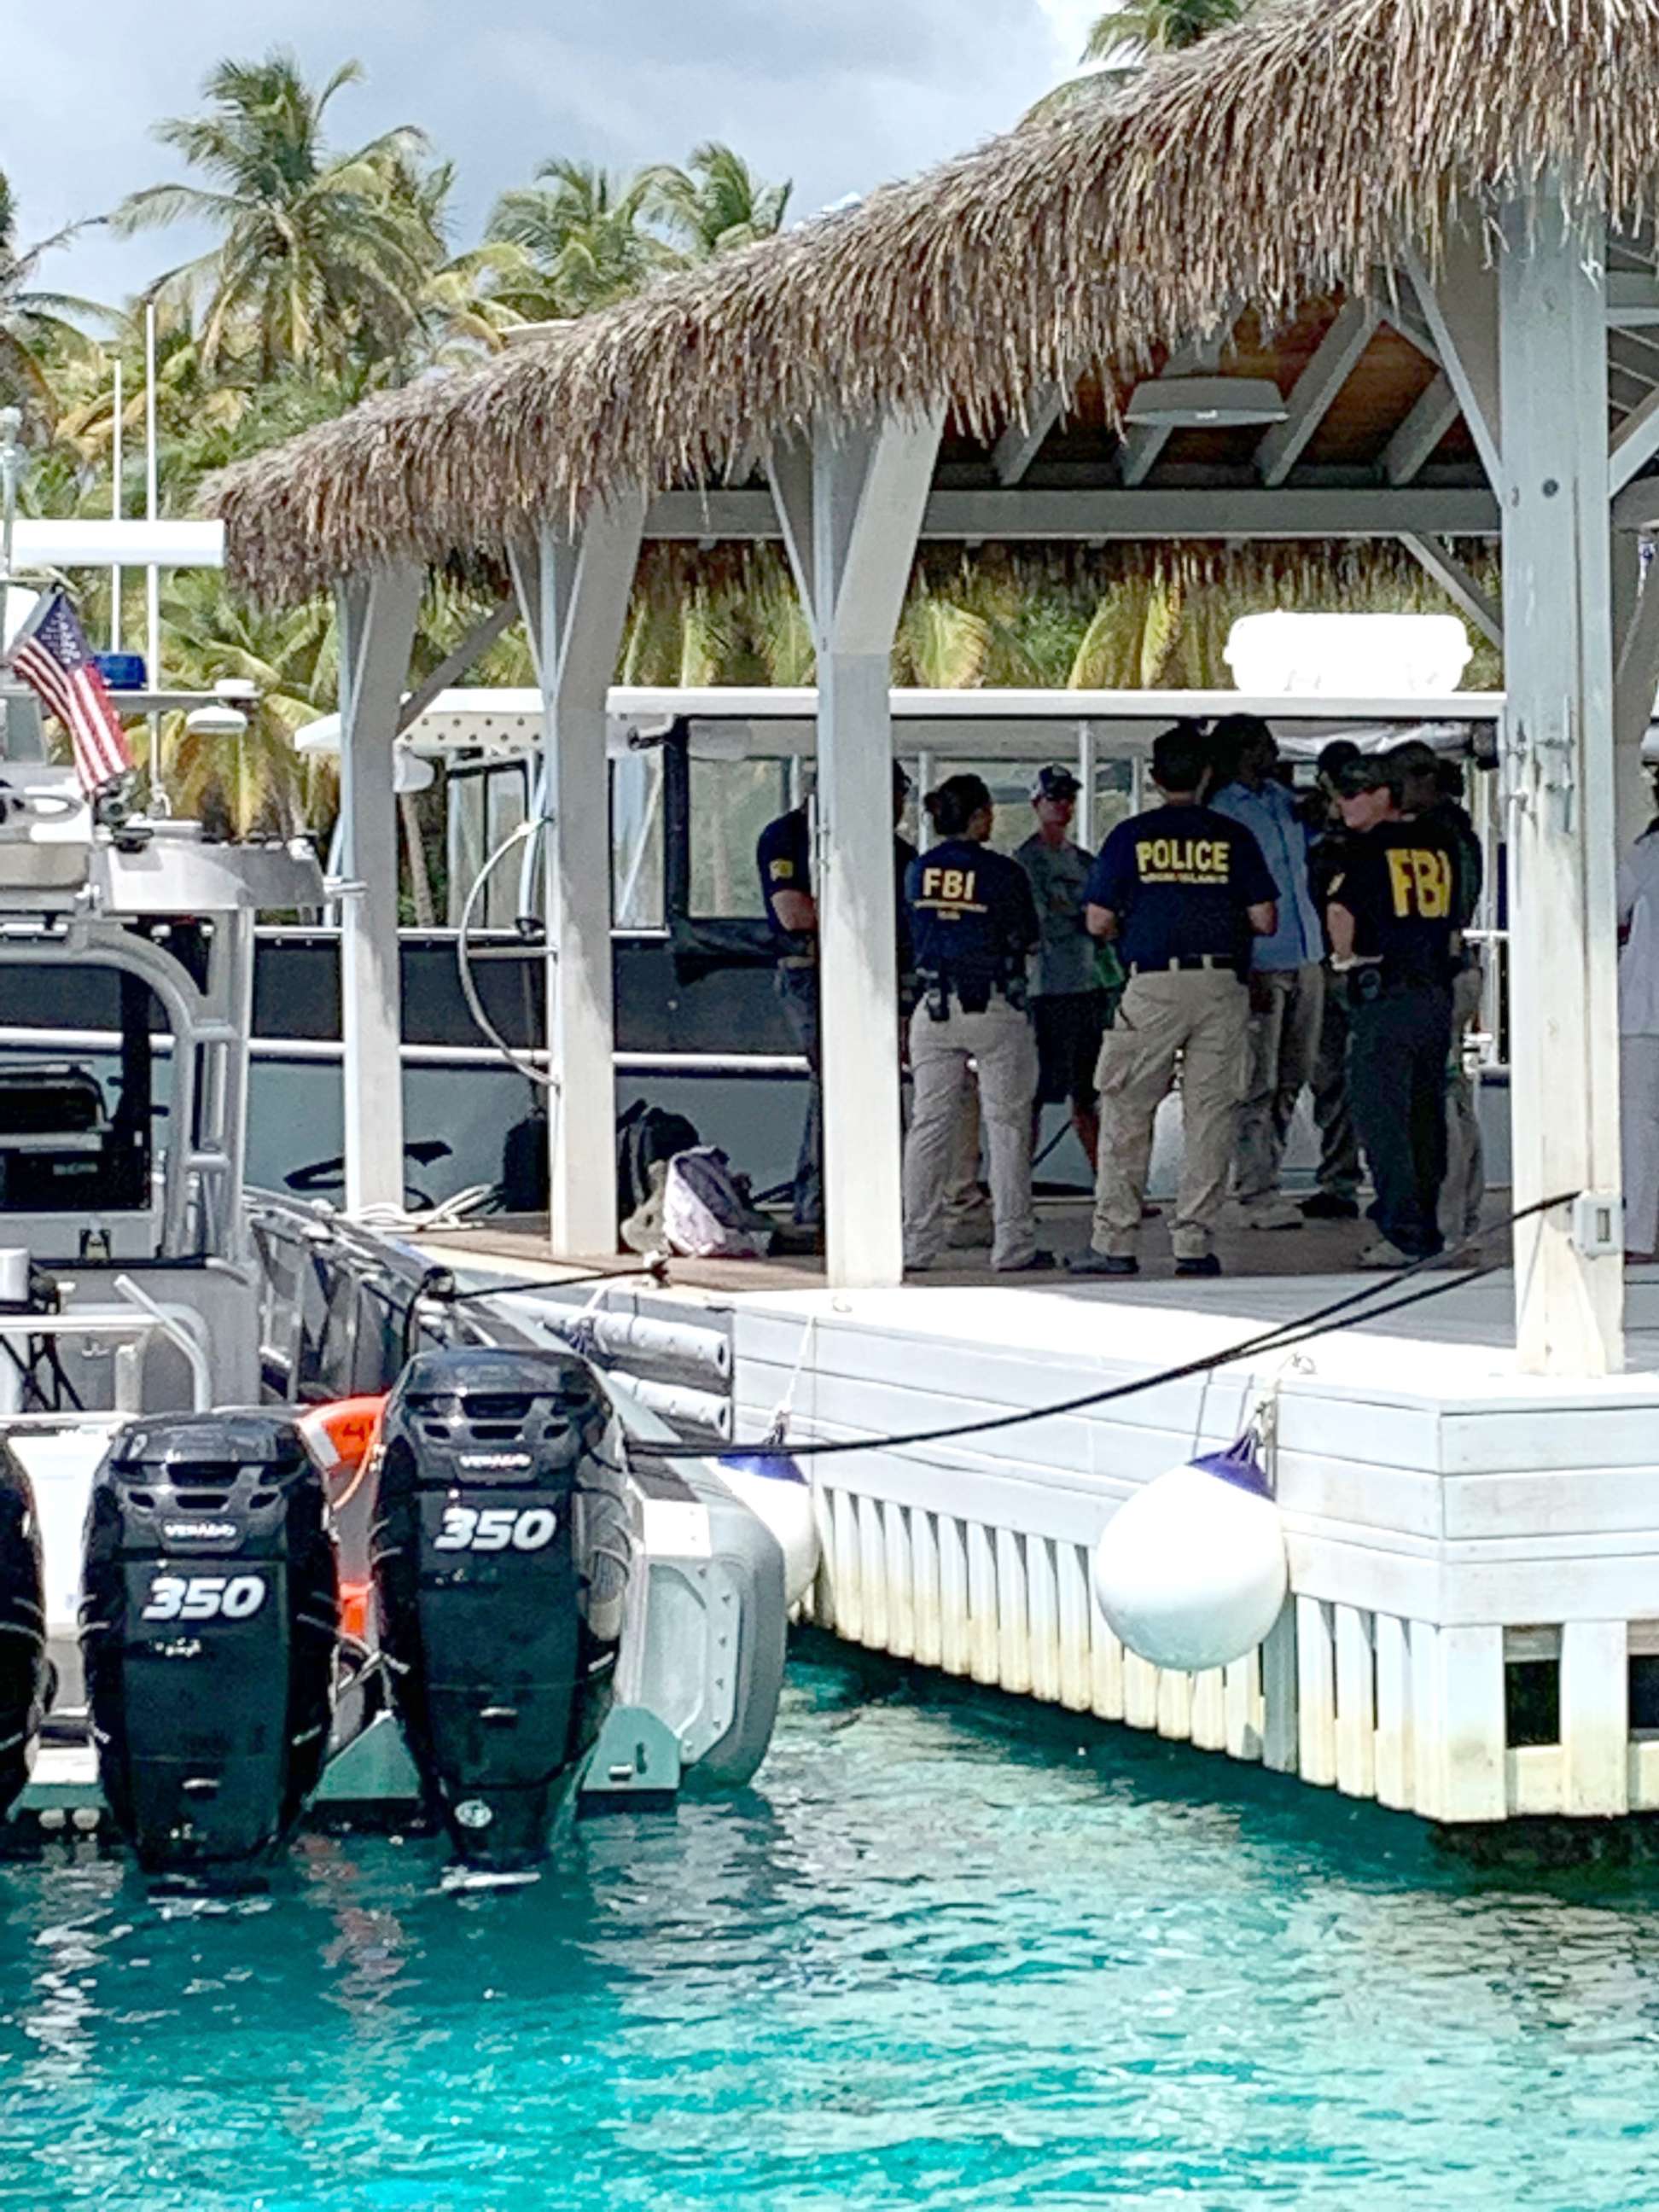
(1398, 1041)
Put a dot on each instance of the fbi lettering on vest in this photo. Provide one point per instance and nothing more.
(944, 888)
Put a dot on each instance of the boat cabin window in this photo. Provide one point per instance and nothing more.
(77, 1116)
(488, 800)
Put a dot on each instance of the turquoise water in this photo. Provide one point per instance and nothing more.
(951, 1951)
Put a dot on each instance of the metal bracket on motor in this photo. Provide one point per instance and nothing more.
(636, 1766)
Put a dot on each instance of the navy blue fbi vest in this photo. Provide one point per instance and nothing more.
(784, 857)
(972, 919)
(1400, 884)
(1181, 880)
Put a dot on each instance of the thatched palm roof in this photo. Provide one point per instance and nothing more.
(1292, 156)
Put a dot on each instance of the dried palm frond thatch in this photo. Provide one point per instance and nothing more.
(1292, 155)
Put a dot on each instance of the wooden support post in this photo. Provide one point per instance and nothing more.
(873, 1571)
(376, 616)
(1596, 1717)
(1281, 1733)
(851, 505)
(1394, 1713)
(574, 592)
(1465, 1754)
(1315, 1689)
(1558, 757)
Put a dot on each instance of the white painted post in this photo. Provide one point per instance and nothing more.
(1315, 1689)
(1596, 1717)
(574, 593)
(1467, 1756)
(851, 505)
(1558, 751)
(376, 618)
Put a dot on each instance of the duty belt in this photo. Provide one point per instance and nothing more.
(1181, 962)
(974, 994)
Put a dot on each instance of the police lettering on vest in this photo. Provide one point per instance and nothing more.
(1400, 883)
(972, 919)
(1181, 881)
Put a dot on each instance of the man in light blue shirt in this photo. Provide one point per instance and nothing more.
(1287, 976)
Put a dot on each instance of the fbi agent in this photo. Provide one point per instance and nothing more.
(784, 858)
(1392, 919)
(1068, 1009)
(1182, 891)
(974, 927)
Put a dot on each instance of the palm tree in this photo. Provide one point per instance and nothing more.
(1159, 27)
(581, 240)
(257, 780)
(322, 255)
(715, 202)
(1123, 37)
(34, 326)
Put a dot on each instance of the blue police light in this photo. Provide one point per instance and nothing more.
(122, 672)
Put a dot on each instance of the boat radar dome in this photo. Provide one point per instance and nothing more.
(1190, 1572)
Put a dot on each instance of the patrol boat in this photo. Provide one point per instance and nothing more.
(287, 1514)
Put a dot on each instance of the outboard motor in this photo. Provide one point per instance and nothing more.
(502, 1557)
(25, 1675)
(208, 1623)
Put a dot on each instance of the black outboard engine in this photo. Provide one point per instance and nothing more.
(208, 1623)
(25, 1675)
(502, 1557)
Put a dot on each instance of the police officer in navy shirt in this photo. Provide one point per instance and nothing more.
(784, 858)
(1393, 924)
(1182, 892)
(974, 927)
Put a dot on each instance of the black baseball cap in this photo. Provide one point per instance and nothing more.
(1367, 772)
(1055, 782)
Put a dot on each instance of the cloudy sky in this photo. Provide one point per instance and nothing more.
(839, 97)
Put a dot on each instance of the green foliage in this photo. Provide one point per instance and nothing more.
(324, 256)
(1159, 26)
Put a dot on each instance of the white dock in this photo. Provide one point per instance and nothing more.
(1449, 1519)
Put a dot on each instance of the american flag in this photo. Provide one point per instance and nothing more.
(51, 655)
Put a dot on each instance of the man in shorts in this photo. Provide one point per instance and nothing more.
(1067, 1008)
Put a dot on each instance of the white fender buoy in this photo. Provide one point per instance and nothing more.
(777, 1493)
(1190, 1573)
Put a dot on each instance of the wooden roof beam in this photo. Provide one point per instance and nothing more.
(1023, 440)
(1462, 313)
(1633, 301)
(1634, 444)
(1105, 512)
(1316, 391)
(1408, 449)
(1456, 581)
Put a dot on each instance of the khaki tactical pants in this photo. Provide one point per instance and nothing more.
(1282, 1040)
(1200, 1013)
(1001, 1043)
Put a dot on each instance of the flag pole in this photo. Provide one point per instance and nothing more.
(116, 462)
(153, 574)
